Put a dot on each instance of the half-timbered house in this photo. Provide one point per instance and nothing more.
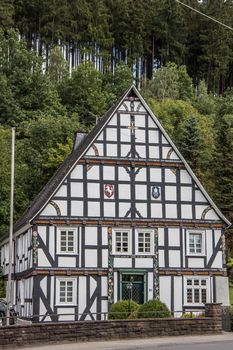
(124, 206)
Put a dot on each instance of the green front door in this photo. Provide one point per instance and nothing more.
(138, 286)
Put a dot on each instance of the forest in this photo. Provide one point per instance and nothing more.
(64, 62)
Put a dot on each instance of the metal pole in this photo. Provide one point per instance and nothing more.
(8, 298)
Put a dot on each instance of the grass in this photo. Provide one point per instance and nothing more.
(231, 294)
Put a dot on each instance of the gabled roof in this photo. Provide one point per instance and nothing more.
(47, 192)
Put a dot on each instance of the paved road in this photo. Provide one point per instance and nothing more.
(207, 342)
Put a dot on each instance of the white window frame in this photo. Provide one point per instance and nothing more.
(137, 231)
(75, 236)
(74, 290)
(199, 287)
(203, 246)
(129, 231)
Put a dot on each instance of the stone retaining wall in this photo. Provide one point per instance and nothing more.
(44, 333)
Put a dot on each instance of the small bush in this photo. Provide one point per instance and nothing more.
(153, 309)
(193, 315)
(120, 310)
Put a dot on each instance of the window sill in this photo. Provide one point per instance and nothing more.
(66, 304)
(128, 253)
(144, 254)
(196, 255)
(67, 253)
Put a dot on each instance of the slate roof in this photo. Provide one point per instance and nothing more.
(45, 194)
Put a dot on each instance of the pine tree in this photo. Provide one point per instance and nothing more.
(190, 143)
(224, 158)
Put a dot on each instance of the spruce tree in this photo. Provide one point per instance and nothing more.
(190, 143)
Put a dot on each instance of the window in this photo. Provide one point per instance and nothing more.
(144, 242)
(121, 241)
(67, 241)
(196, 242)
(66, 291)
(196, 290)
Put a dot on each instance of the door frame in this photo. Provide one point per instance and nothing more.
(132, 272)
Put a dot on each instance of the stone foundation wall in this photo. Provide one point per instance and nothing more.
(44, 333)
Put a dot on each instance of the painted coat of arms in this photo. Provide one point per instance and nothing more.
(108, 191)
(155, 192)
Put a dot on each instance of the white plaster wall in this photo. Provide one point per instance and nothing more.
(90, 257)
(122, 174)
(185, 177)
(77, 172)
(62, 191)
(105, 258)
(49, 210)
(66, 261)
(174, 258)
(165, 290)
(43, 285)
(109, 209)
(186, 193)
(143, 263)
(217, 263)
(155, 174)
(109, 172)
(91, 235)
(66, 313)
(156, 210)
(161, 258)
(113, 120)
(178, 291)
(209, 244)
(141, 176)
(76, 189)
(104, 235)
(93, 208)
(42, 259)
(222, 290)
(122, 262)
(77, 208)
(52, 241)
(196, 262)
(174, 237)
(82, 294)
(161, 236)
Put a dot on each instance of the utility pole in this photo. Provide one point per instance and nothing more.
(8, 297)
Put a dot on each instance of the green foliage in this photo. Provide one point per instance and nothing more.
(231, 294)
(25, 89)
(83, 94)
(191, 143)
(2, 287)
(58, 67)
(224, 156)
(172, 82)
(120, 310)
(6, 14)
(153, 309)
(193, 133)
(115, 85)
(193, 315)
(231, 313)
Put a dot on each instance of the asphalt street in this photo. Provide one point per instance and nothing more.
(204, 342)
